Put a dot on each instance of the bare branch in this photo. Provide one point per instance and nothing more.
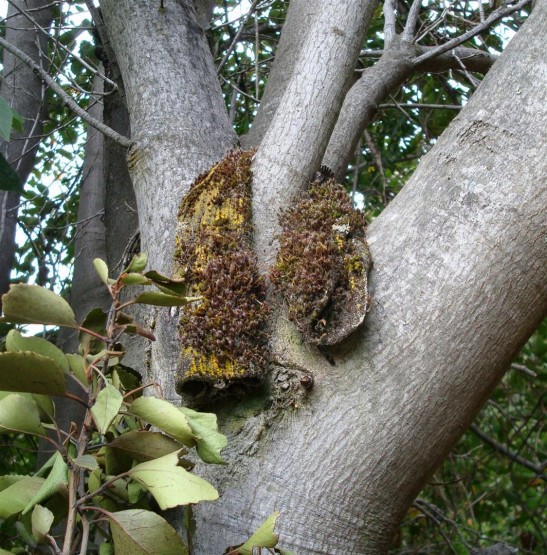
(537, 468)
(472, 59)
(412, 20)
(418, 105)
(524, 370)
(389, 19)
(94, 70)
(492, 18)
(65, 97)
(236, 38)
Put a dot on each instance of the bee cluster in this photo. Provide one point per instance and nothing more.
(224, 334)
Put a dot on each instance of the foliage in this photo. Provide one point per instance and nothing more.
(112, 469)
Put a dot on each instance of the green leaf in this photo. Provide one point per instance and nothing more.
(164, 416)
(20, 414)
(9, 179)
(144, 446)
(6, 117)
(135, 279)
(15, 342)
(45, 405)
(209, 442)
(56, 481)
(139, 532)
(263, 537)
(32, 304)
(156, 298)
(138, 263)
(170, 484)
(31, 373)
(14, 498)
(76, 363)
(106, 549)
(89, 462)
(102, 270)
(42, 519)
(106, 407)
(171, 286)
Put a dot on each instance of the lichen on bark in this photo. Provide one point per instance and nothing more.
(223, 336)
(322, 264)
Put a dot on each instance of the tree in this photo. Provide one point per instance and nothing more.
(457, 283)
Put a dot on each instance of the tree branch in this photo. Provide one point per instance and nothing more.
(492, 18)
(412, 20)
(389, 21)
(65, 97)
(500, 448)
(94, 70)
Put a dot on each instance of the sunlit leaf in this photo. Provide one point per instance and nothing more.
(139, 532)
(102, 270)
(32, 373)
(170, 484)
(32, 304)
(16, 342)
(76, 363)
(209, 441)
(106, 407)
(263, 537)
(164, 416)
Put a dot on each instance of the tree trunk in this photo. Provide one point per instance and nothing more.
(457, 281)
(24, 92)
(458, 286)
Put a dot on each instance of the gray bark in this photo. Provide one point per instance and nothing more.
(180, 125)
(298, 24)
(24, 92)
(292, 149)
(458, 285)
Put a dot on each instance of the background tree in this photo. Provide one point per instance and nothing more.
(457, 280)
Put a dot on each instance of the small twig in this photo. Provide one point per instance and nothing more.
(236, 38)
(538, 469)
(418, 105)
(412, 20)
(59, 44)
(492, 18)
(66, 98)
(523, 369)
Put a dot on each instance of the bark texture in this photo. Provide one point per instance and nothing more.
(180, 126)
(24, 92)
(292, 149)
(458, 286)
